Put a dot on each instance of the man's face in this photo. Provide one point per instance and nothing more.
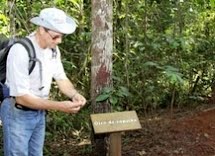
(52, 38)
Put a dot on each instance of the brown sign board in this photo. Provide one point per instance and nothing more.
(115, 122)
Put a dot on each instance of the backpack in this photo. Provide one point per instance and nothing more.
(4, 50)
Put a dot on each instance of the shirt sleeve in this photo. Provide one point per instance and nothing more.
(17, 75)
(59, 73)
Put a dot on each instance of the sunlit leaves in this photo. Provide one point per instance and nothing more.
(3, 23)
(212, 3)
(3, 19)
(77, 2)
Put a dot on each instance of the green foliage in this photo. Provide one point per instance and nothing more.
(4, 20)
(71, 123)
(212, 3)
(3, 23)
(114, 96)
(173, 74)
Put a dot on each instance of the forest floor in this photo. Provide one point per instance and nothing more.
(183, 133)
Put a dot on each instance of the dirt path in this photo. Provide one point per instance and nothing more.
(189, 135)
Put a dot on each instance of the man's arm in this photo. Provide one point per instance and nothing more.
(34, 102)
(67, 88)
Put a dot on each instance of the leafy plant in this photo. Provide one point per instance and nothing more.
(114, 96)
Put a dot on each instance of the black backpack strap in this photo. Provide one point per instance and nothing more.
(26, 42)
(5, 47)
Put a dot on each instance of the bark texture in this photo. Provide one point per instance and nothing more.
(101, 67)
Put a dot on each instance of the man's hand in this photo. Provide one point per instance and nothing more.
(69, 107)
(79, 99)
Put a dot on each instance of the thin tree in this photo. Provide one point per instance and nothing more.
(101, 67)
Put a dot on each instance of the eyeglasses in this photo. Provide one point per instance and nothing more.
(54, 37)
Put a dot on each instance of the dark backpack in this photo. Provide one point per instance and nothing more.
(5, 46)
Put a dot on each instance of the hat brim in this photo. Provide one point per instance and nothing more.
(65, 28)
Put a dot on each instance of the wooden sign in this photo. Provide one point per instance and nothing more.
(115, 122)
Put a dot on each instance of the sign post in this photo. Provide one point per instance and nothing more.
(115, 123)
(115, 144)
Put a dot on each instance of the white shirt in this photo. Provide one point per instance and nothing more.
(17, 77)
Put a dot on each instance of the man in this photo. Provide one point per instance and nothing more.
(23, 115)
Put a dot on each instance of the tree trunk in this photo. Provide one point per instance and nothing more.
(101, 67)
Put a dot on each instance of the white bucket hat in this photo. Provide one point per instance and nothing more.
(56, 20)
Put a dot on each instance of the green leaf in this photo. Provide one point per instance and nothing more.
(107, 90)
(124, 91)
(171, 68)
(113, 100)
(150, 63)
(174, 77)
(102, 97)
